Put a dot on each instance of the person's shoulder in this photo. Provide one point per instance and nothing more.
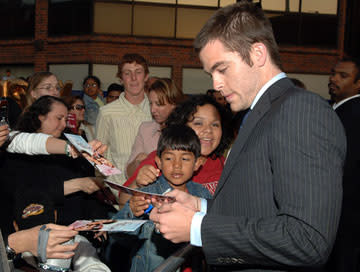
(298, 97)
(197, 189)
(350, 108)
(111, 108)
(148, 125)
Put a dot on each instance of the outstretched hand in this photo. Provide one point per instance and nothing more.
(27, 240)
(98, 147)
(173, 220)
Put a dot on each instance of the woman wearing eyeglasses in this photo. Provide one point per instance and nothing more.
(77, 110)
(40, 84)
(93, 98)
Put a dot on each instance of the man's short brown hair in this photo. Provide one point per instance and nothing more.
(130, 58)
(238, 27)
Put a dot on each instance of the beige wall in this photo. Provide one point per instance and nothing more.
(71, 72)
(315, 83)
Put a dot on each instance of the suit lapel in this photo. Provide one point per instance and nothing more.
(261, 108)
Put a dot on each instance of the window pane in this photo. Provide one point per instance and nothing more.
(195, 81)
(190, 21)
(70, 72)
(286, 28)
(319, 6)
(224, 3)
(319, 29)
(17, 70)
(107, 74)
(273, 5)
(158, 1)
(159, 71)
(209, 3)
(70, 17)
(154, 21)
(112, 18)
(17, 20)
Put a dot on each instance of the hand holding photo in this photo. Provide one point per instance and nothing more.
(135, 192)
(79, 143)
(103, 165)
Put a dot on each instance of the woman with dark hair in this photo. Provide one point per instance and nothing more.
(61, 186)
(76, 107)
(209, 120)
(93, 98)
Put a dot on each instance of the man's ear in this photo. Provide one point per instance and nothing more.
(146, 77)
(158, 162)
(259, 54)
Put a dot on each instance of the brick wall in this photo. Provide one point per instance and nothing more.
(108, 49)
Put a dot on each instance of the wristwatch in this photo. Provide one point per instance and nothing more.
(11, 254)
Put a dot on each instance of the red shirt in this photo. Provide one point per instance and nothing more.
(208, 174)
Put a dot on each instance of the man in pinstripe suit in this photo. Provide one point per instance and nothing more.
(278, 201)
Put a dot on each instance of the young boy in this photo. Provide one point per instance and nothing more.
(178, 157)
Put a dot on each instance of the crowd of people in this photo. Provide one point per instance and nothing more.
(262, 173)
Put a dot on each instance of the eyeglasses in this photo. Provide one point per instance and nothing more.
(78, 107)
(90, 85)
(50, 87)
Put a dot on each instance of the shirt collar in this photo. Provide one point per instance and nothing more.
(336, 105)
(266, 86)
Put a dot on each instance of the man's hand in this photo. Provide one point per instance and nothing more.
(173, 221)
(185, 199)
(146, 175)
(138, 204)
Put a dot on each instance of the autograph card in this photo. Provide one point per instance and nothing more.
(103, 165)
(109, 225)
(135, 192)
(79, 143)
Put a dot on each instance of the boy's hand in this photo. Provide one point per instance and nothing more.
(147, 174)
(138, 204)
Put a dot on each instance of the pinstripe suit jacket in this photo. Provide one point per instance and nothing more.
(278, 201)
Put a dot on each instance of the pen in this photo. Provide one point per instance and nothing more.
(148, 210)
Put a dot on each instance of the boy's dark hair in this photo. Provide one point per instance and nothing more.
(179, 137)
